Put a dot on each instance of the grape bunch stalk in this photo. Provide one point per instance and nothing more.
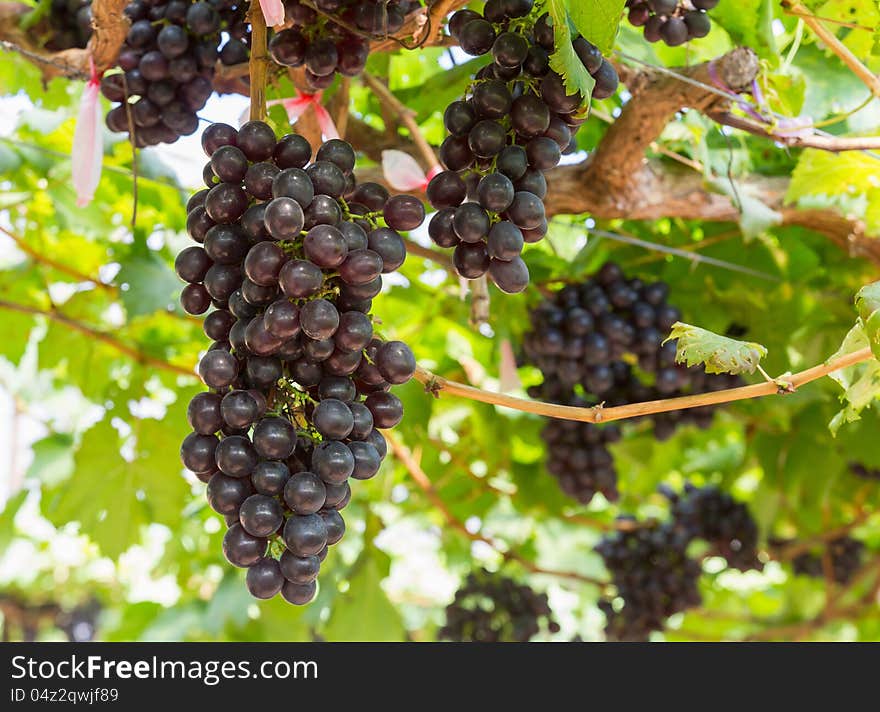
(167, 65)
(672, 21)
(290, 254)
(334, 37)
(515, 121)
(490, 608)
(602, 341)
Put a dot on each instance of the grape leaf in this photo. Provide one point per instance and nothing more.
(129, 494)
(371, 617)
(749, 23)
(868, 306)
(860, 383)
(564, 60)
(720, 354)
(151, 284)
(597, 20)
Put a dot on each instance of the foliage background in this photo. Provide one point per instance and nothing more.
(98, 510)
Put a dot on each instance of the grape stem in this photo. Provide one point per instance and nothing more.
(258, 66)
(871, 80)
(599, 414)
(406, 116)
(134, 353)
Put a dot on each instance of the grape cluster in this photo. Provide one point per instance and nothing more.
(846, 559)
(585, 339)
(863, 472)
(69, 24)
(727, 525)
(299, 383)
(167, 65)
(513, 125)
(672, 21)
(490, 608)
(653, 576)
(578, 456)
(326, 47)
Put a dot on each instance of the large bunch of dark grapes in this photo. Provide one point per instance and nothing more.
(69, 24)
(167, 65)
(727, 525)
(672, 21)
(514, 123)
(299, 384)
(653, 576)
(585, 340)
(334, 36)
(490, 608)
(846, 559)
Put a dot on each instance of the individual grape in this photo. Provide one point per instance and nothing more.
(404, 212)
(446, 190)
(471, 260)
(510, 276)
(299, 594)
(236, 456)
(195, 299)
(284, 218)
(305, 535)
(299, 279)
(395, 362)
(319, 319)
(471, 223)
(218, 369)
(476, 37)
(257, 140)
(390, 247)
(270, 477)
(495, 192)
(332, 461)
(505, 241)
(325, 246)
(274, 438)
(226, 494)
(240, 409)
(305, 493)
(264, 579)
(197, 452)
(260, 515)
(299, 569)
(242, 549)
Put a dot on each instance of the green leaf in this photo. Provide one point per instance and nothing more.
(597, 20)
(749, 23)
(53, 459)
(151, 284)
(7, 517)
(868, 306)
(364, 613)
(720, 354)
(860, 383)
(821, 173)
(112, 498)
(755, 216)
(564, 60)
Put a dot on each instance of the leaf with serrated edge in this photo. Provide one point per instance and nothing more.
(720, 354)
(868, 306)
(564, 61)
(860, 382)
(597, 20)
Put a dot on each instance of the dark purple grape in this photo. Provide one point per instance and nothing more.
(305, 493)
(264, 579)
(274, 438)
(241, 549)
